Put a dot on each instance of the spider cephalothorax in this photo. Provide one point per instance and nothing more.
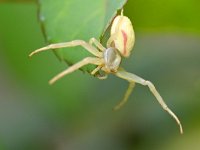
(120, 44)
(112, 60)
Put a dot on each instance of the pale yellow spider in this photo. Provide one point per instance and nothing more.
(120, 44)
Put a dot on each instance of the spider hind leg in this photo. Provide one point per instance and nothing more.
(126, 96)
(134, 78)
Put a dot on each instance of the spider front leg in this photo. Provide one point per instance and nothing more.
(134, 78)
(85, 61)
(74, 43)
(97, 44)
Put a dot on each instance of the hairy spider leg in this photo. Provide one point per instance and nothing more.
(74, 43)
(85, 61)
(134, 78)
(97, 44)
(126, 96)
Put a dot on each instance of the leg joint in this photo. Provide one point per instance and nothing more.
(148, 83)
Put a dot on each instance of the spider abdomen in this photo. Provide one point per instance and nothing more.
(124, 34)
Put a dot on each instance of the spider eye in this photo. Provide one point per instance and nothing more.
(124, 36)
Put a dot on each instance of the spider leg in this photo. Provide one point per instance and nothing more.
(102, 77)
(97, 44)
(122, 11)
(74, 43)
(96, 70)
(134, 78)
(85, 61)
(111, 39)
(105, 76)
(126, 96)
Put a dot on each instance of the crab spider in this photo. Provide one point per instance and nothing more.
(108, 59)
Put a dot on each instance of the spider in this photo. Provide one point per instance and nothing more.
(108, 59)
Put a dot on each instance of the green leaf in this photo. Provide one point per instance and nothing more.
(67, 20)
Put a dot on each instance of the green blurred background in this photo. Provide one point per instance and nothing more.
(76, 113)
